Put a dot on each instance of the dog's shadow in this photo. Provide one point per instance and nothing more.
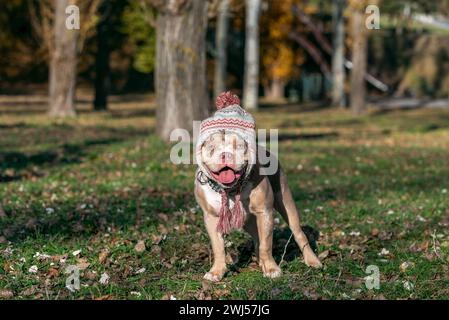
(283, 249)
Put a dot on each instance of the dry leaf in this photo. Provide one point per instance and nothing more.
(323, 255)
(103, 255)
(375, 232)
(6, 294)
(157, 239)
(90, 275)
(30, 291)
(405, 265)
(104, 279)
(140, 246)
(162, 229)
(82, 264)
(52, 273)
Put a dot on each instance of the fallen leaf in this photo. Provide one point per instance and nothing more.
(104, 279)
(6, 294)
(30, 291)
(52, 273)
(90, 275)
(323, 255)
(140, 246)
(32, 269)
(82, 264)
(375, 232)
(157, 239)
(103, 255)
(105, 297)
(405, 265)
(424, 246)
(162, 229)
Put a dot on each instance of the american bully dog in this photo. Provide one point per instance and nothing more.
(235, 192)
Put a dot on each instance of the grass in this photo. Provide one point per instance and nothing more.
(376, 188)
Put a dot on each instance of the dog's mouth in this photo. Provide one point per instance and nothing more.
(227, 175)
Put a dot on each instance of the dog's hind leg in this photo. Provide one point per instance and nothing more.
(285, 205)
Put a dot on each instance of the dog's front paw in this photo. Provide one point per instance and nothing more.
(271, 270)
(215, 275)
(313, 261)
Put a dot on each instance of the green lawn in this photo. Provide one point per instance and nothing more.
(375, 187)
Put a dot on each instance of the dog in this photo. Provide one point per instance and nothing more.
(230, 175)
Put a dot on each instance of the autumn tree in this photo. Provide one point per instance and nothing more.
(180, 64)
(278, 58)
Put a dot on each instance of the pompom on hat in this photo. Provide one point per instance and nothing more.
(231, 118)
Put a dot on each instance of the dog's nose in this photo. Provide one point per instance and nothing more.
(226, 157)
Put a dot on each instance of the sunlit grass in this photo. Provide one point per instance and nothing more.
(102, 182)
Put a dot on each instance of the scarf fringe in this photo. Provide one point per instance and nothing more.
(228, 220)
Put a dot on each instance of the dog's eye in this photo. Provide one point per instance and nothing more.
(210, 147)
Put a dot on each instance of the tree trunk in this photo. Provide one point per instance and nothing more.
(359, 60)
(338, 55)
(221, 38)
(251, 81)
(275, 90)
(62, 82)
(181, 67)
(102, 80)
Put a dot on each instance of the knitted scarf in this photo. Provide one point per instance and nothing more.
(229, 220)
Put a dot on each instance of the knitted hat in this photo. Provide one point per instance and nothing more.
(231, 118)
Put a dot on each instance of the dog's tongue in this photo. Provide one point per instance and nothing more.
(226, 176)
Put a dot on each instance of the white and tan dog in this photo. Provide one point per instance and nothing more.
(228, 177)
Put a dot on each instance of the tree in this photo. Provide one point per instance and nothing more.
(181, 91)
(278, 57)
(62, 84)
(102, 80)
(359, 58)
(251, 81)
(338, 55)
(139, 25)
(221, 44)
(62, 46)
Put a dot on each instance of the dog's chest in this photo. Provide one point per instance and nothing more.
(214, 199)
